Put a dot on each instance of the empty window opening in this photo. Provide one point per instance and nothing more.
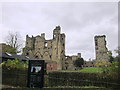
(46, 44)
(96, 43)
(54, 36)
(27, 54)
(36, 56)
(63, 44)
(50, 56)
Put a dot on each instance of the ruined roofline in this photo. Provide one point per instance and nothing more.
(57, 28)
(42, 34)
(97, 36)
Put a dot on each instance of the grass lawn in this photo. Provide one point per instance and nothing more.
(75, 87)
(91, 69)
(86, 69)
(46, 88)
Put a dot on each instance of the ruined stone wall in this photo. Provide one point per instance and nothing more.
(69, 62)
(101, 49)
(40, 48)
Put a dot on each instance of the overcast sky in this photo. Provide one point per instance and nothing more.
(79, 21)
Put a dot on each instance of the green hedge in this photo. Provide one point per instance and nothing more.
(14, 77)
(80, 79)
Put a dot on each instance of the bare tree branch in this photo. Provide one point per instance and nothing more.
(14, 40)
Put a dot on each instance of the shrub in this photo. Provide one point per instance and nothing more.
(18, 64)
(79, 62)
(101, 63)
(14, 72)
(113, 70)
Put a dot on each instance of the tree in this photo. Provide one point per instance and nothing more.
(118, 50)
(101, 63)
(14, 40)
(110, 56)
(111, 59)
(113, 70)
(16, 64)
(8, 48)
(79, 62)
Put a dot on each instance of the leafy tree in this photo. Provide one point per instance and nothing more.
(100, 63)
(110, 56)
(79, 62)
(112, 70)
(8, 48)
(111, 59)
(118, 50)
(117, 58)
(17, 64)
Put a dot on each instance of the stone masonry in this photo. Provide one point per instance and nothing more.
(53, 50)
(100, 48)
(69, 62)
(40, 48)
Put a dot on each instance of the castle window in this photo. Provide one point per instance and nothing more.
(36, 56)
(46, 44)
(50, 56)
(54, 36)
(27, 54)
(96, 43)
(66, 68)
(63, 44)
(96, 48)
(26, 42)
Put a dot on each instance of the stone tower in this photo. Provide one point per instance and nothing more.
(58, 46)
(40, 48)
(100, 48)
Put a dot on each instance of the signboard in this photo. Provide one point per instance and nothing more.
(36, 73)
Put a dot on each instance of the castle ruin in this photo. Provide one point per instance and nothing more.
(51, 50)
(100, 48)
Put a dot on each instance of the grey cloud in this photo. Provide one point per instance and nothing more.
(79, 21)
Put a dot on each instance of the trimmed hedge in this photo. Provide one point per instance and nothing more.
(14, 77)
(80, 79)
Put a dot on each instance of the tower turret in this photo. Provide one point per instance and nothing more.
(56, 32)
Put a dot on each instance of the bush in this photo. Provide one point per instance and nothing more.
(101, 63)
(14, 77)
(113, 70)
(18, 64)
(14, 72)
(79, 62)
